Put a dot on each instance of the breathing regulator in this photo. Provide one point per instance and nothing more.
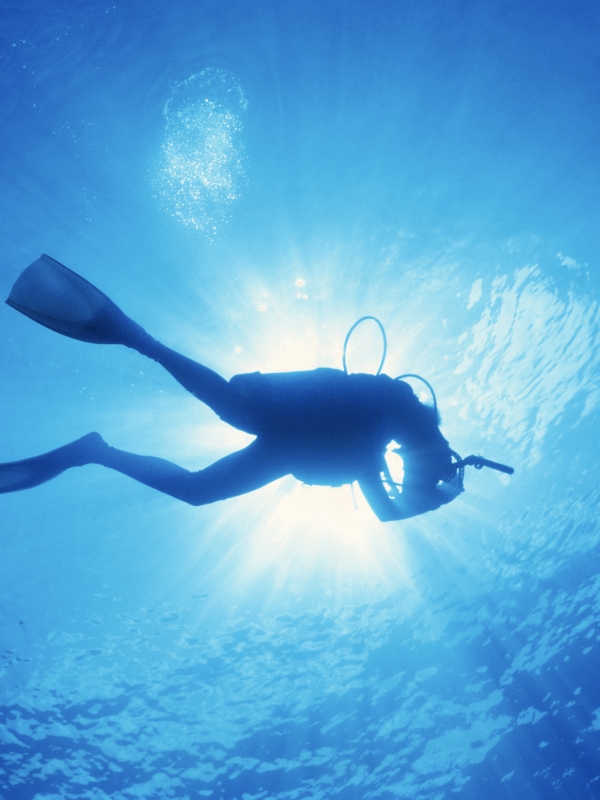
(458, 464)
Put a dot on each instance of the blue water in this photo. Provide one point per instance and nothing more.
(246, 180)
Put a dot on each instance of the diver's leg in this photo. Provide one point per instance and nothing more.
(205, 384)
(29, 472)
(238, 473)
(55, 296)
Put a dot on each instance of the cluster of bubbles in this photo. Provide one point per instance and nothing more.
(201, 166)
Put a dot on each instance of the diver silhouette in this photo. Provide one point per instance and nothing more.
(324, 426)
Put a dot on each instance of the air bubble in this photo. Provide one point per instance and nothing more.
(200, 170)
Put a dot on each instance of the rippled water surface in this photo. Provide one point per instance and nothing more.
(246, 180)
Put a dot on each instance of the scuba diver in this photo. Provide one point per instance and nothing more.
(323, 426)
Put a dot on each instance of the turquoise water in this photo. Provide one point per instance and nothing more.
(246, 179)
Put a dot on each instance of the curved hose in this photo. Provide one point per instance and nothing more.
(349, 334)
(383, 356)
(427, 384)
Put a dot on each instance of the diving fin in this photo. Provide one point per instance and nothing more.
(25, 474)
(17, 475)
(60, 299)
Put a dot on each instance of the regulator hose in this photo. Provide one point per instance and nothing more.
(460, 463)
(351, 331)
(427, 384)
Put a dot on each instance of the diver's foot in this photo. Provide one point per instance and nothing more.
(86, 450)
(116, 327)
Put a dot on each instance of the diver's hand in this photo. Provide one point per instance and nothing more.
(408, 504)
(425, 466)
(423, 488)
(448, 491)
